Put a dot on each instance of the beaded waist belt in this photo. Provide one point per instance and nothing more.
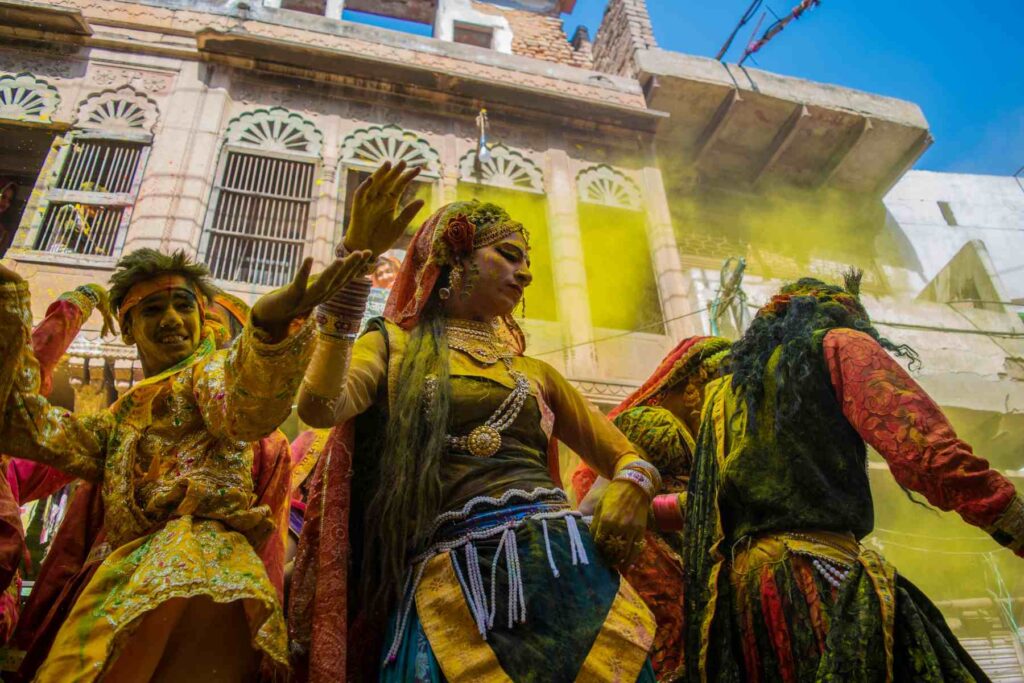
(483, 518)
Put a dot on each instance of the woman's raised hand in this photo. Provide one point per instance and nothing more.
(274, 311)
(374, 224)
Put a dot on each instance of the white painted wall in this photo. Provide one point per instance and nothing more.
(987, 208)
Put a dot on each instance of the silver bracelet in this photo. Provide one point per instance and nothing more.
(638, 479)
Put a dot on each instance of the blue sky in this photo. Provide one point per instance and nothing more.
(962, 61)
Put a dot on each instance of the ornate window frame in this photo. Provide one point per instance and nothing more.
(367, 148)
(507, 169)
(278, 141)
(91, 180)
(24, 98)
(601, 184)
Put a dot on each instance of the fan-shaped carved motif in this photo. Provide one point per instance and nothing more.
(119, 110)
(275, 130)
(377, 144)
(604, 185)
(505, 168)
(24, 97)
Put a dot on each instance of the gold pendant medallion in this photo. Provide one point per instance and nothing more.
(484, 441)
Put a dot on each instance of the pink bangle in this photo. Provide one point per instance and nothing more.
(668, 513)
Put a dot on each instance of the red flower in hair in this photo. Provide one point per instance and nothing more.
(458, 234)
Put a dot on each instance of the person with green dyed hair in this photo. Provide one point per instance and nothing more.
(778, 586)
(439, 489)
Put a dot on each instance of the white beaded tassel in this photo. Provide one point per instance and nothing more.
(410, 597)
(476, 584)
(516, 597)
(494, 580)
(576, 541)
(547, 547)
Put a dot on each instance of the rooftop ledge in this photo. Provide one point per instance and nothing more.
(748, 127)
(266, 37)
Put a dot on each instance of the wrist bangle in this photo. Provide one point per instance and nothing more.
(1008, 530)
(337, 327)
(645, 468)
(641, 481)
(668, 512)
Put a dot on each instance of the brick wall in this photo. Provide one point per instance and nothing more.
(625, 28)
(537, 35)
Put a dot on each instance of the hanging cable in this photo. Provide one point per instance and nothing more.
(747, 16)
(776, 27)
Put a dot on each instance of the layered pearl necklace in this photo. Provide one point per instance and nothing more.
(481, 342)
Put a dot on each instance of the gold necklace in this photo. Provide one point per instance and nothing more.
(479, 340)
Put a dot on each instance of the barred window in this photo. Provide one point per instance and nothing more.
(89, 190)
(258, 222)
(258, 231)
(88, 207)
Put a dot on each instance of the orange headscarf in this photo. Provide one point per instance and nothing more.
(161, 283)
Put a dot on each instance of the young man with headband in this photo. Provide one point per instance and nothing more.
(183, 592)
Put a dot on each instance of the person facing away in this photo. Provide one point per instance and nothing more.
(778, 585)
(183, 592)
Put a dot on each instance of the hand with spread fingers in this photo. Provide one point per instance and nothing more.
(374, 224)
(273, 312)
(620, 520)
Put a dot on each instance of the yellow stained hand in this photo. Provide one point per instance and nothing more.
(373, 223)
(274, 311)
(620, 520)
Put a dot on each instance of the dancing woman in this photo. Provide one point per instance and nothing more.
(468, 562)
(778, 586)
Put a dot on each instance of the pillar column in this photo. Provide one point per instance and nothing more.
(673, 288)
(567, 266)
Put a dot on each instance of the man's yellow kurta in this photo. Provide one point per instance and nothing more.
(174, 456)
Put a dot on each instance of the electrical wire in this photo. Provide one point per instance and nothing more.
(747, 16)
(777, 27)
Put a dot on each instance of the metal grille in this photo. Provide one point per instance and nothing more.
(258, 230)
(80, 229)
(100, 166)
(88, 205)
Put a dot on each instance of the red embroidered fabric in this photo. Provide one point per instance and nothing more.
(895, 416)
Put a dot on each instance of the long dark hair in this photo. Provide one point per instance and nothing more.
(797, 320)
(408, 491)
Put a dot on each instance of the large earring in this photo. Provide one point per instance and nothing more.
(455, 279)
(444, 293)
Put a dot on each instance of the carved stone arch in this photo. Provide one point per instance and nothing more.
(275, 130)
(23, 97)
(374, 145)
(505, 168)
(604, 185)
(121, 110)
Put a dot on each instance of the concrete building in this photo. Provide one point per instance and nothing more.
(238, 131)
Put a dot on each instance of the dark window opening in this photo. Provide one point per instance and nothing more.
(21, 160)
(473, 34)
(947, 213)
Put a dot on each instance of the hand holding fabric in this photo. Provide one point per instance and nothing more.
(373, 224)
(273, 312)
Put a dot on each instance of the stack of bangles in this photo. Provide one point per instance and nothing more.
(667, 508)
(340, 316)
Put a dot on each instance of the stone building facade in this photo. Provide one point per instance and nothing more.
(238, 130)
